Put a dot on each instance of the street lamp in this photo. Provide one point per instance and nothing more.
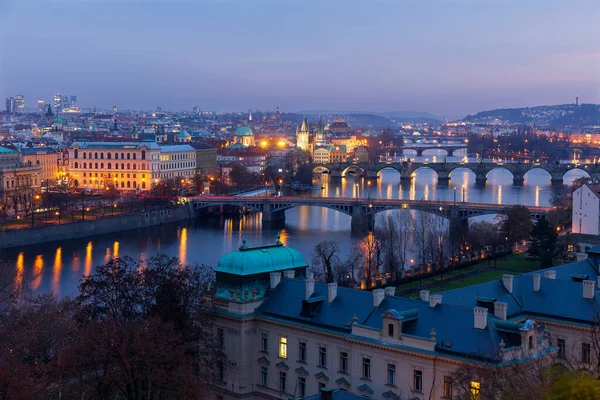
(369, 193)
(356, 193)
(455, 196)
(463, 193)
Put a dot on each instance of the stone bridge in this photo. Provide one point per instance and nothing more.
(420, 148)
(361, 211)
(444, 170)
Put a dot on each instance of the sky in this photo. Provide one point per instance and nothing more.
(446, 57)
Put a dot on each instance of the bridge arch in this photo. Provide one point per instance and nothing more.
(388, 168)
(537, 169)
(425, 167)
(574, 173)
(463, 168)
(321, 169)
(353, 170)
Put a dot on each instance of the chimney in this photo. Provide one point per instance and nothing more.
(310, 275)
(378, 295)
(500, 309)
(310, 285)
(598, 282)
(480, 317)
(424, 294)
(537, 278)
(434, 300)
(391, 290)
(331, 291)
(275, 279)
(290, 273)
(507, 281)
(588, 289)
(550, 274)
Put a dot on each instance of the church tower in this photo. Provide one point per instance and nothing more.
(303, 137)
(320, 134)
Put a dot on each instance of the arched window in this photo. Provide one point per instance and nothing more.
(96, 166)
(129, 156)
(143, 184)
(90, 155)
(84, 165)
(128, 166)
(108, 155)
(109, 165)
(83, 154)
(76, 164)
(76, 153)
(101, 165)
(122, 185)
(102, 156)
(96, 156)
(134, 165)
(134, 186)
(143, 154)
(122, 156)
(128, 185)
(122, 166)
(116, 156)
(134, 156)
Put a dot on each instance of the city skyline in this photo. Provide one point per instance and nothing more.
(448, 58)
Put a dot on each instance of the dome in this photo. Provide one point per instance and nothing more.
(339, 124)
(260, 259)
(57, 119)
(244, 130)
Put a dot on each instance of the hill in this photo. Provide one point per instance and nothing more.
(551, 116)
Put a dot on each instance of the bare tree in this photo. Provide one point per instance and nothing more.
(389, 229)
(325, 260)
(423, 227)
(372, 252)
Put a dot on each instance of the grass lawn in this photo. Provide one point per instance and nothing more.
(512, 264)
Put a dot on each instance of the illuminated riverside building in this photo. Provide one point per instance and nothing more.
(15, 174)
(47, 159)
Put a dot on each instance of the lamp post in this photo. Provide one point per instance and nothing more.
(369, 189)
(356, 194)
(463, 193)
(455, 196)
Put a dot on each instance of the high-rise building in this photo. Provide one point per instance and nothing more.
(58, 102)
(72, 101)
(115, 110)
(19, 103)
(65, 101)
(576, 101)
(41, 105)
(10, 105)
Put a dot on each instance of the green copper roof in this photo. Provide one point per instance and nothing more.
(183, 133)
(260, 259)
(5, 150)
(244, 130)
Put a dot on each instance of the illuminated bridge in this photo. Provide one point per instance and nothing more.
(361, 210)
(444, 170)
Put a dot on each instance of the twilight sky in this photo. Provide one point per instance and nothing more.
(448, 57)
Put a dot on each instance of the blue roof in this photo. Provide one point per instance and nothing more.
(5, 150)
(260, 259)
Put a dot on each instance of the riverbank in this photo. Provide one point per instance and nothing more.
(88, 228)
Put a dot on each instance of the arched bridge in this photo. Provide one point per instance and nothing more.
(444, 170)
(449, 148)
(361, 210)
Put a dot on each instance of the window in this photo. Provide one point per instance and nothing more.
(264, 376)
(321, 385)
(447, 387)
(418, 380)
(302, 386)
(282, 347)
(475, 388)
(530, 342)
(265, 342)
(302, 351)
(282, 379)
(77, 153)
(220, 371)
(391, 374)
(108, 156)
(366, 368)
(561, 347)
(343, 361)
(322, 356)
(391, 330)
(585, 352)
(221, 337)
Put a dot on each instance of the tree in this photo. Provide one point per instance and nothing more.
(372, 257)
(515, 223)
(423, 227)
(390, 232)
(325, 260)
(304, 174)
(483, 234)
(543, 243)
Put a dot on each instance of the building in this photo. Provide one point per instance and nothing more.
(177, 162)
(337, 154)
(41, 105)
(361, 154)
(10, 105)
(58, 102)
(19, 103)
(339, 127)
(73, 101)
(243, 137)
(291, 337)
(47, 159)
(14, 174)
(127, 165)
(303, 137)
(586, 210)
(320, 139)
(183, 137)
(206, 159)
(321, 155)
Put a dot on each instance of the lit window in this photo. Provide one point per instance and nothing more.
(448, 387)
(475, 387)
(282, 347)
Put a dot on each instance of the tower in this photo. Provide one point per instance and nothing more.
(249, 115)
(320, 134)
(576, 101)
(58, 104)
(277, 114)
(303, 137)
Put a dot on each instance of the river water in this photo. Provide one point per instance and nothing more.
(59, 266)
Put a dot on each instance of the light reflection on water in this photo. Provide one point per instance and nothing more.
(206, 241)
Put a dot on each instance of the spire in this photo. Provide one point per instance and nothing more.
(304, 126)
(49, 113)
(321, 126)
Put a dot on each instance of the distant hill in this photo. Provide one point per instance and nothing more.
(551, 116)
(395, 115)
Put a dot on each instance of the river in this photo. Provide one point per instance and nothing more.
(59, 266)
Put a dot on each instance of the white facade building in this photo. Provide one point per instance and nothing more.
(586, 210)
(177, 161)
